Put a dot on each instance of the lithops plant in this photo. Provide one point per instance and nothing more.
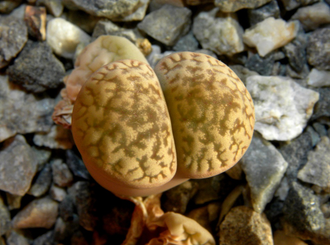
(121, 126)
(212, 113)
(101, 51)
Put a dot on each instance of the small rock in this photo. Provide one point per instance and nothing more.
(296, 54)
(218, 32)
(270, 9)
(138, 14)
(40, 213)
(264, 167)
(16, 238)
(36, 68)
(317, 55)
(7, 6)
(317, 169)
(322, 108)
(66, 208)
(62, 176)
(111, 9)
(242, 225)
(234, 5)
(57, 138)
(302, 210)
(318, 78)
(64, 37)
(42, 156)
(4, 218)
(81, 193)
(57, 193)
(14, 35)
(76, 165)
(186, 43)
(261, 65)
(17, 166)
(270, 34)
(177, 198)
(65, 229)
(290, 72)
(44, 239)
(167, 24)
(107, 27)
(35, 19)
(22, 113)
(13, 201)
(311, 17)
(320, 129)
(42, 183)
(292, 4)
(54, 7)
(282, 106)
(82, 20)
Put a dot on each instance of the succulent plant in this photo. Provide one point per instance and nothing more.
(122, 124)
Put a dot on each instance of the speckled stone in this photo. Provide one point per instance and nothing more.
(62, 176)
(76, 165)
(67, 208)
(293, 4)
(42, 182)
(21, 112)
(112, 9)
(318, 78)
(261, 65)
(14, 35)
(186, 43)
(317, 169)
(16, 237)
(218, 32)
(311, 17)
(44, 239)
(7, 6)
(36, 68)
(40, 213)
(18, 166)
(4, 218)
(302, 210)
(167, 24)
(233, 5)
(65, 229)
(317, 55)
(270, 9)
(242, 225)
(55, 7)
(322, 108)
(264, 167)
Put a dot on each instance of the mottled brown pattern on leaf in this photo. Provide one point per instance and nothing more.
(211, 111)
(121, 124)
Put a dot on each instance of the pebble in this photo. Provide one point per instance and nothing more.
(280, 238)
(4, 218)
(322, 108)
(282, 106)
(167, 24)
(311, 17)
(317, 169)
(76, 165)
(36, 68)
(66, 208)
(234, 5)
(17, 166)
(242, 225)
(57, 193)
(63, 37)
(42, 182)
(218, 32)
(81, 194)
(35, 19)
(110, 9)
(13, 201)
(57, 138)
(318, 78)
(293, 4)
(54, 7)
(14, 35)
(21, 112)
(65, 229)
(317, 55)
(82, 20)
(44, 239)
(177, 198)
(7, 6)
(62, 176)
(270, 34)
(138, 14)
(186, 43)
(16, 238)
(264, 167)
(290, 72)
(40, 213)
(261, 65)
(301, 209)
(270, 9)
(242, 72)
